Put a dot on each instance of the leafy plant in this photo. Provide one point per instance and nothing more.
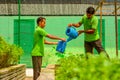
(9, 54)
(77, 67)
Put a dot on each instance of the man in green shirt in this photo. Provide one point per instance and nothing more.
(92, 39)
(38, 47)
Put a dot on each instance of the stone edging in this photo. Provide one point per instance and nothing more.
(16, 72)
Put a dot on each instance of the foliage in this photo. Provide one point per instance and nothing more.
(77, 67)
(9, 54)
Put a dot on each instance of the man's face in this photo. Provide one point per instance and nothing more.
(42, 23)
(89, 15)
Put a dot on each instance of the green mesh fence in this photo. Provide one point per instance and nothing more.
(55, 25)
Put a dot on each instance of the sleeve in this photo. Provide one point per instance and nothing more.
(81, 21)
(42, 32)
(95, 23)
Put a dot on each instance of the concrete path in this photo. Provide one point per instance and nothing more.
(47, 73)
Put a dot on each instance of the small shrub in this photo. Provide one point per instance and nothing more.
(9, 54)
(77, 67)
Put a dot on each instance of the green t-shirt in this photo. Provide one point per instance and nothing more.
(90, 24)
(38, 47)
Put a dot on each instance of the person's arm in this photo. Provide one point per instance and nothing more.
(52, 43)
(75, 24)
(54, 37)
(45, 34)
(90, 31)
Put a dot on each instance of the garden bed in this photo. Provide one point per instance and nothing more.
(16, 72)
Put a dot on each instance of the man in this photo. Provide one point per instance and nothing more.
(92, 39)
(38, 47)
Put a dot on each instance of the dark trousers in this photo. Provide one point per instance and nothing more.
(94, 44)
(37, 63)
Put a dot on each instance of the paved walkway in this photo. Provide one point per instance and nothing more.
(29, 74)
(47, 73)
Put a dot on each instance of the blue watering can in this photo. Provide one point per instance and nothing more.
(61, 46)
(72, 33)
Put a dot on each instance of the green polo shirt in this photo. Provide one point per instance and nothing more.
(38, 47)
(90, 24)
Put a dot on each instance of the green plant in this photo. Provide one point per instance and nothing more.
(77, 67)
(9, 54)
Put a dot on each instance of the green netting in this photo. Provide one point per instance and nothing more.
(55, 25)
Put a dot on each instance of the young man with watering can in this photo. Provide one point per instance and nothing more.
(38, 46)
(91, 38)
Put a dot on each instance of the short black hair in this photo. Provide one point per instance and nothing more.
(90, 10)
(40, 19)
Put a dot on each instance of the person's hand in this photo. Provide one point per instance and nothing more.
(55, 43)
(69, 25)
(63, 39)
(80, 32)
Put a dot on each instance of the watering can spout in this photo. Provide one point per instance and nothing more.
(69, 39)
